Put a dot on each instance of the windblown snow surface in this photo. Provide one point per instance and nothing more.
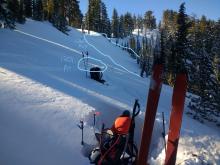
(44, 94)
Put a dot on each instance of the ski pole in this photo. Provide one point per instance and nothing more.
(132, 126)
(81, 126)
(94, 119)
(163, 133)
(87, 61)
(84, 61)
(103, 127)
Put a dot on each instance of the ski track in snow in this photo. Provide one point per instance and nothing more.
(40, 108)
(108, 56)
(76, 51)
(54, 43)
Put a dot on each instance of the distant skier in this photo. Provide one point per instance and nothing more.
(112, 142)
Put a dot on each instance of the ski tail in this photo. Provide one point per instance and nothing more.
(178, 100)
(152, 104)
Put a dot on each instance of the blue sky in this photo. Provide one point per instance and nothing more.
(209, 8)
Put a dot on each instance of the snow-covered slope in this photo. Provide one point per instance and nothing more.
(44, 95)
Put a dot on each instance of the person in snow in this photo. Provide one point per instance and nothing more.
(112, 142)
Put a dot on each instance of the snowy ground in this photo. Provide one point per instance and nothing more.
(44, 95)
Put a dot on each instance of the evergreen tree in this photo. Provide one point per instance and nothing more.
(144, 60)
(162, 48)
(175, 30)
(181, 42)
(128, 24)
(132, 45)
(169, 23)
(115, 24)
(140, 24)
(104, 26)
(28, 8)
(168, 35)
(21, 16)
(93, 15)
(216, 51)
(3, 9)
(138, 45)
(108, 28)
(204, 104)
(97, 15)
(49, 9)
(38, 10)
(6, 16)
(17, 10)
(13, 6)
(134, 21)
(203, 81)
(58, 18)
(121, 27)
(73, 13)
(149, 20)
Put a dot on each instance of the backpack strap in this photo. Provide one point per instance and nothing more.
(106, 153)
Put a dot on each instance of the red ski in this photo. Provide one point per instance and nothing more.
(151, 109)
(178, 101)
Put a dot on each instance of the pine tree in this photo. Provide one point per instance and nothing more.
(13, 6)
(169, 31)
(6, 17)
(203, 81)
(128, 24)
(149, 20)
(169, 23)
(162, 47)
(38, 10)
(97, 15)
(73, 13)
(3, 9)
(138, 45)
(108, 30)
(181, 42)
(90, 15)
(144, 59)
(17, 10)
(203, 105)
(134, 21)
(21, 14)
(132, 44)
(58, 17)
(175, 30)
(28, 8)
(140, 24)
(49, 9)
(115, 24)
(93, 15)
(121, 27)
(104, 26)
(216, 50)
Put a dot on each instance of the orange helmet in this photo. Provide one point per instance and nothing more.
(122, 125)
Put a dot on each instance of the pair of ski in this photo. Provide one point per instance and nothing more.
(178, 100)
